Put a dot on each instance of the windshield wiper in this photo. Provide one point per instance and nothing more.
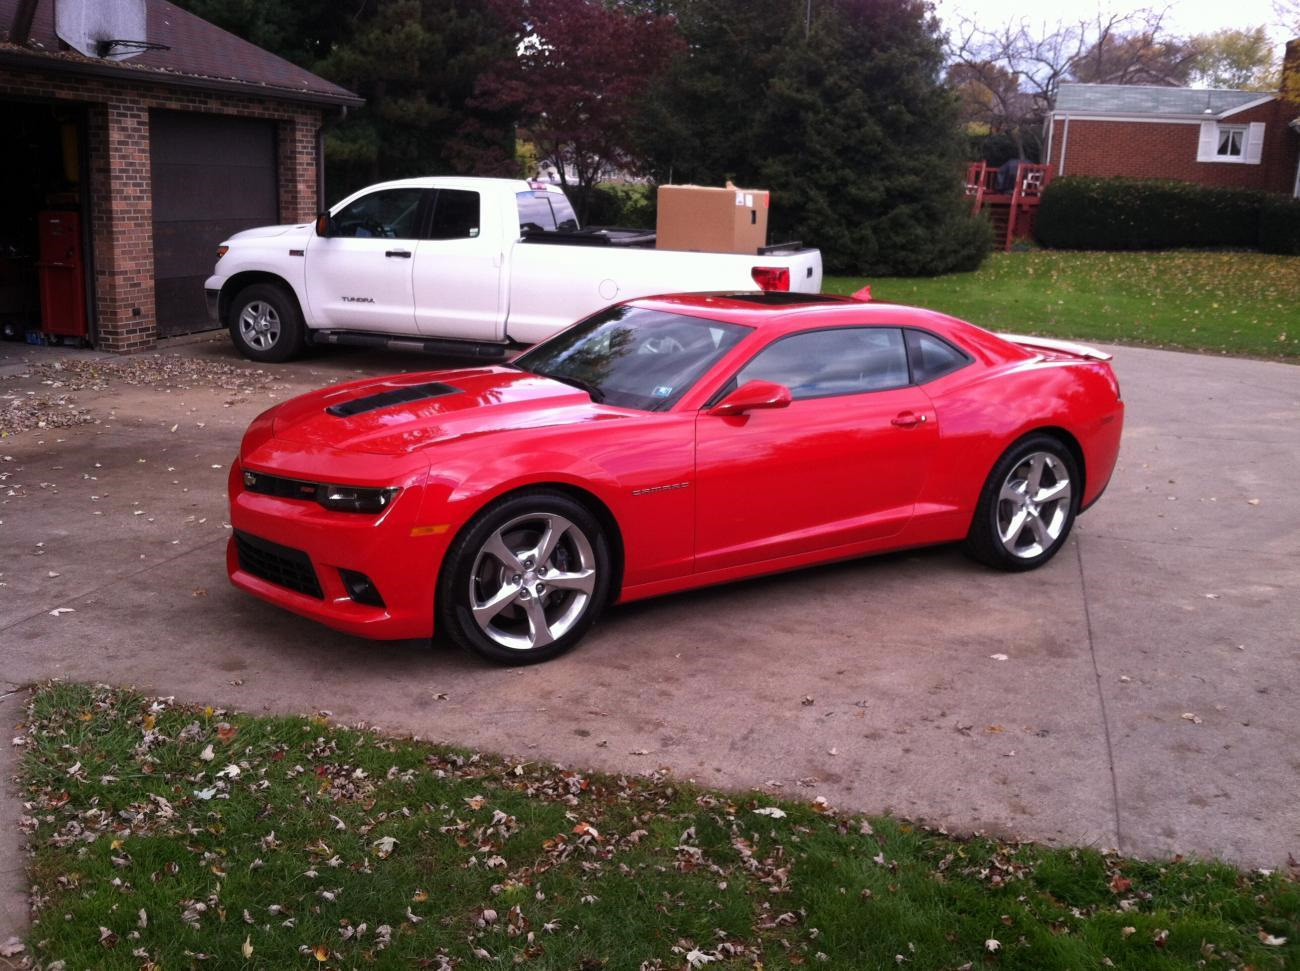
(596, 394)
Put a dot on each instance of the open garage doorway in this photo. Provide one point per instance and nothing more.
(44, 263)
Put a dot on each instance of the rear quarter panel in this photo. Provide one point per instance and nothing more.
(982, 412)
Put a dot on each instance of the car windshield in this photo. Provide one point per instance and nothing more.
(633, 357)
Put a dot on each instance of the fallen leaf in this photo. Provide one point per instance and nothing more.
(60, 611)
(1270, 940)
(11, 948)
(1192, 717)
(992, 945)
(384, 847)
(207, 755)
(998, 657)
(247, 948)
(772, 811)
(1120, 884)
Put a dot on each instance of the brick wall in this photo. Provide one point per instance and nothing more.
(1167, 150)
(120, 191)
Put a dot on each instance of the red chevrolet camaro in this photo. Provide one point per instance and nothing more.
(659, 445)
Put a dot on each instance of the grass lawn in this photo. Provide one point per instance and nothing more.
(174, 837)
(1233, 303)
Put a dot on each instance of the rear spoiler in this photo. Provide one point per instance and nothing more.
(1050, 344)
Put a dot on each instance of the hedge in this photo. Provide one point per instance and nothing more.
(1279, 226)
(1078, 212)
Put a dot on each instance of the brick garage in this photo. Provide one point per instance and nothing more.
(1222, 138)
(205, 81)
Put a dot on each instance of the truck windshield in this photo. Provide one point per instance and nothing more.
(541, 211)
(632, 357)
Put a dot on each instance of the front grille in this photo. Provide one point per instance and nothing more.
(281, 565)
(278, 485)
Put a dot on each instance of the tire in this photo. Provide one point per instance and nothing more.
(266, 324)
(502, 603)
(1027, 506)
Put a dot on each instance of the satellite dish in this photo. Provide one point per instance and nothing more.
(111, 29)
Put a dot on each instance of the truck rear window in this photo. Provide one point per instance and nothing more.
(541, 211)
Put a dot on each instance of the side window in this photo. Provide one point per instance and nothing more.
(836, 361)
(932, 357)
(387, 214)
(455, 215)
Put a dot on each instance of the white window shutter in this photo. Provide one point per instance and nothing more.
(1208, 145)
(1254, 143)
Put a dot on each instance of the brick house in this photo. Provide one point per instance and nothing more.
(143, 165)
(1222, 138)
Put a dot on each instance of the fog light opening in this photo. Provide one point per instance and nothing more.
(361, 588)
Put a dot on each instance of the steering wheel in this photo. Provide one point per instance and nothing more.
(661, 345)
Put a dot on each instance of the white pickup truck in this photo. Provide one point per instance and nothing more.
(452, 265)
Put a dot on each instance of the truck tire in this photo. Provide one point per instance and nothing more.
(266, 324)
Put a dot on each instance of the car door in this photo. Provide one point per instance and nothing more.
(359, 277)
(842, 464)
(458, 272)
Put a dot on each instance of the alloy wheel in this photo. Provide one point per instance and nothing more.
(532, 581)
(259, 325)
(1034, 505)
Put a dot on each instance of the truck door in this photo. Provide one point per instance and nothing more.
(359, 277)
(458, 270)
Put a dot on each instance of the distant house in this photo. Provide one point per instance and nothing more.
(128, 159)
(1246, 139)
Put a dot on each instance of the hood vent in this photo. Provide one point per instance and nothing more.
(386, 399)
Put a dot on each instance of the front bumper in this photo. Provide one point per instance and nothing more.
(320, 543)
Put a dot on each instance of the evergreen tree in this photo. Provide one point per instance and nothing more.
(841, 114)
(414, 61)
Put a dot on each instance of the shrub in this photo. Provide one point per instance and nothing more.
(1129, 214)
(1279, 226)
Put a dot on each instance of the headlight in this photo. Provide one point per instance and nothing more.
(353, 499)
(338, 497)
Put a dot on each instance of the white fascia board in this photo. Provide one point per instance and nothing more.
(1265, 99)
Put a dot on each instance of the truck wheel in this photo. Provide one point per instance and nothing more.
(265, 323)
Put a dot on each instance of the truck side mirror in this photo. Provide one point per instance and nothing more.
(324, 224)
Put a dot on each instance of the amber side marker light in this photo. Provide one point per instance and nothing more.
(222, 251)
(430, 530)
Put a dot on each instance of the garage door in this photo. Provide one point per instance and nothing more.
(212, 176)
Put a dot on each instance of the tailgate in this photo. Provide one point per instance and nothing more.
(805, 268)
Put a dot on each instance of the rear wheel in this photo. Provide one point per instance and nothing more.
(1027, 506)
(527, 580)
(265, 323)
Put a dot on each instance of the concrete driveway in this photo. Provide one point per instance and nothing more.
(1147, 702)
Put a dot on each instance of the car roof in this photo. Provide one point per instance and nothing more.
(794, 311)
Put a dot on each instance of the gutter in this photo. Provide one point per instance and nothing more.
(89, 69)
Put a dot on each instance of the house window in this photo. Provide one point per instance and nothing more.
(1231, 141)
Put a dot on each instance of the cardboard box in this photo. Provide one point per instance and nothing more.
(706, 219)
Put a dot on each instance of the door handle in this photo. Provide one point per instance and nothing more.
(404, 254)
(906, 419)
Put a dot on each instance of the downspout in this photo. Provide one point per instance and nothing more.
(1065, 143)
(1051, 130)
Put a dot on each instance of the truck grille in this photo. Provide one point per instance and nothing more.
(281, 565)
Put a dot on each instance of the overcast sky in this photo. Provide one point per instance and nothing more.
(1184, 16)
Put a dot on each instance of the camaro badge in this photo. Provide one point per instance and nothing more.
(662, 488)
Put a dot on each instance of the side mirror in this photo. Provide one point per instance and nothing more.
(753, 396)
(324, 224)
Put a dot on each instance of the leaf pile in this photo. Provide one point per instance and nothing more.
(167, 836)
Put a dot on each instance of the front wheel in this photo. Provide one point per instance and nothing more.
(1027, 506)
(527, 580)
(265, 324)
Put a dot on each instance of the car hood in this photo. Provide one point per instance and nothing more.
(262, 232)
(405, 413)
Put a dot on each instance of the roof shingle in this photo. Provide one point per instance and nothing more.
(1150, 99)
(195, 49)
